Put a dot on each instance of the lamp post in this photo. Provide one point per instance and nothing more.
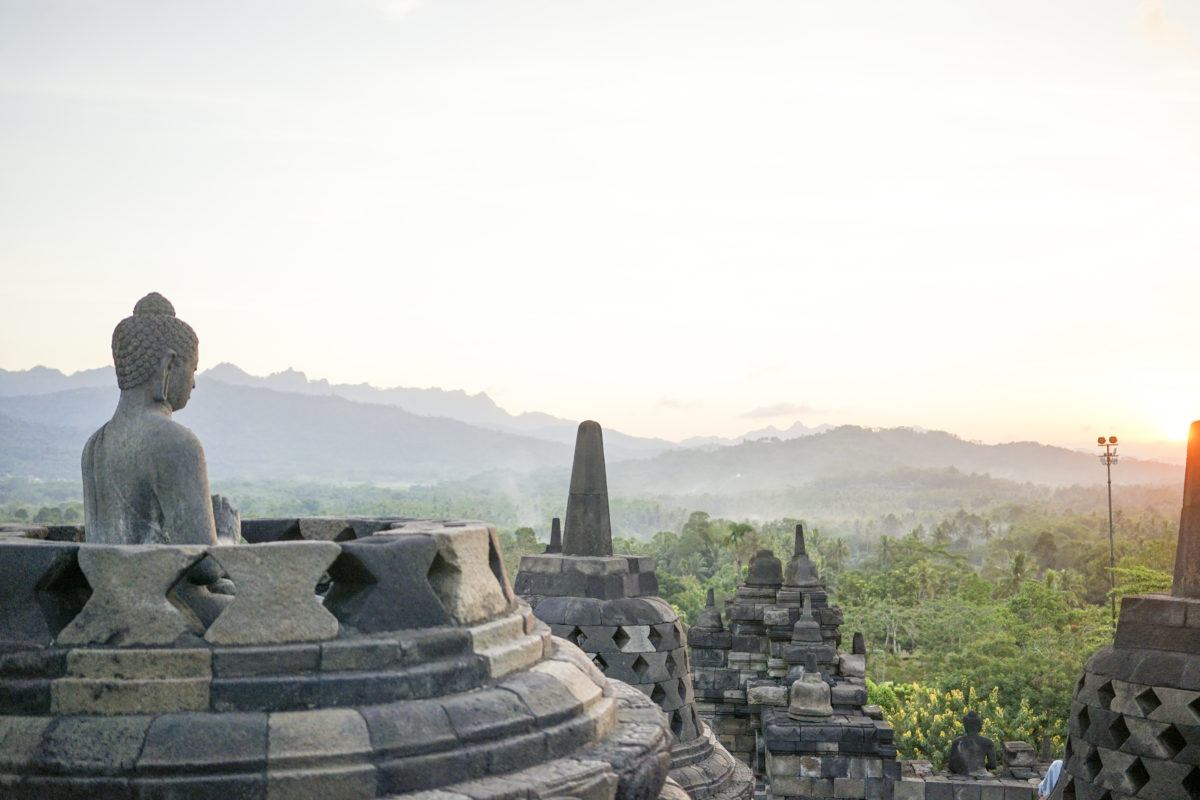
(1108, 458)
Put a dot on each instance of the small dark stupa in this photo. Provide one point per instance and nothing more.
(555, 545)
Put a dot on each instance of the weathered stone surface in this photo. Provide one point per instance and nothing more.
(381, 583)
(298, 737)
(41, 589)
(325, 529)
(143, 696)
(765, 570)
(129, 604)
(275, 601)
(178, 743)
(588, 530)
(139, 664)
(104, 745)
(464, 575)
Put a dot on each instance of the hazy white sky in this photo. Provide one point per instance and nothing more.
(677, 217)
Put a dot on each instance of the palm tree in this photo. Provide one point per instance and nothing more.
(1017, 570)
(736, 539)
(836, 550)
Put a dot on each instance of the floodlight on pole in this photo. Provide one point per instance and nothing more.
(1108, 458)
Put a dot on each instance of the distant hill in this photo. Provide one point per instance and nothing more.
(795, 431)
(768, 465)
(43, 380)
(251, 431)
(474, 409)
(261, 433)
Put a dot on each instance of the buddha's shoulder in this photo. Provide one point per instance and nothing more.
(167, 435)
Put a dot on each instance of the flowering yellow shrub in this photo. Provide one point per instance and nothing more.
(927, 720)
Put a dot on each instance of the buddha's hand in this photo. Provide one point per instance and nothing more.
(229, 521)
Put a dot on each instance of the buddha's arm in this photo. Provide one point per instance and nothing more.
(183, 492)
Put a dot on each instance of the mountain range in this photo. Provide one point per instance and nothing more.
(286, 426)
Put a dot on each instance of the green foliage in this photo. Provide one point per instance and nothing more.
(928, 719)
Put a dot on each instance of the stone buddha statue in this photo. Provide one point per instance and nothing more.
(145, 480)
(972, 754)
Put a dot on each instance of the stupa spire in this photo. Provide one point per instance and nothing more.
(587, 530)
(1187, 555)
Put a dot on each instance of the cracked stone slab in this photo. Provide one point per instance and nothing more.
(129, 604)
(275, 602)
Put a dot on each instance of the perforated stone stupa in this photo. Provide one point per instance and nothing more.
(607, 606)
(1135, 716)
(418, 674)
(780, 695)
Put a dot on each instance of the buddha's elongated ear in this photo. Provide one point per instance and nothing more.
(164, 369)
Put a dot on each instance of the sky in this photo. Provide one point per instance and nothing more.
(676, 217)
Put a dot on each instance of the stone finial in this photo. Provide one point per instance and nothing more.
(588, 530)
(1187, 556)
(810, 664)
(859, 646)
(555, 545)
(801, 571)
(710, 618)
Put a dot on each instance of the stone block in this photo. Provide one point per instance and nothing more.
(1153, 609)
(718, 640)
(549, 564)
(361, 655)
(852, 666)
(274, 601)
(296, 738)
(909, 789)
(178, 743)
(256, 531)
(25, 696)
(487, 714)
(567, 610)
(129, 604)
(275, 660)
(966, 790)
(637, 611)
(991, 790)
(265, 693)
(100, 745)
(849, 788)
(325, 529)
(20, 738)
(466, 578)
(768, 695)
(155, 696)
(939, 790)
(391, 727)
(356, 782)
(381, 583)
(1145, 636)
(224, 787)
(513, 655)
(139, 664)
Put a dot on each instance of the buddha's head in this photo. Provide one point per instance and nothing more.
(154, 347)
(972, 723)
